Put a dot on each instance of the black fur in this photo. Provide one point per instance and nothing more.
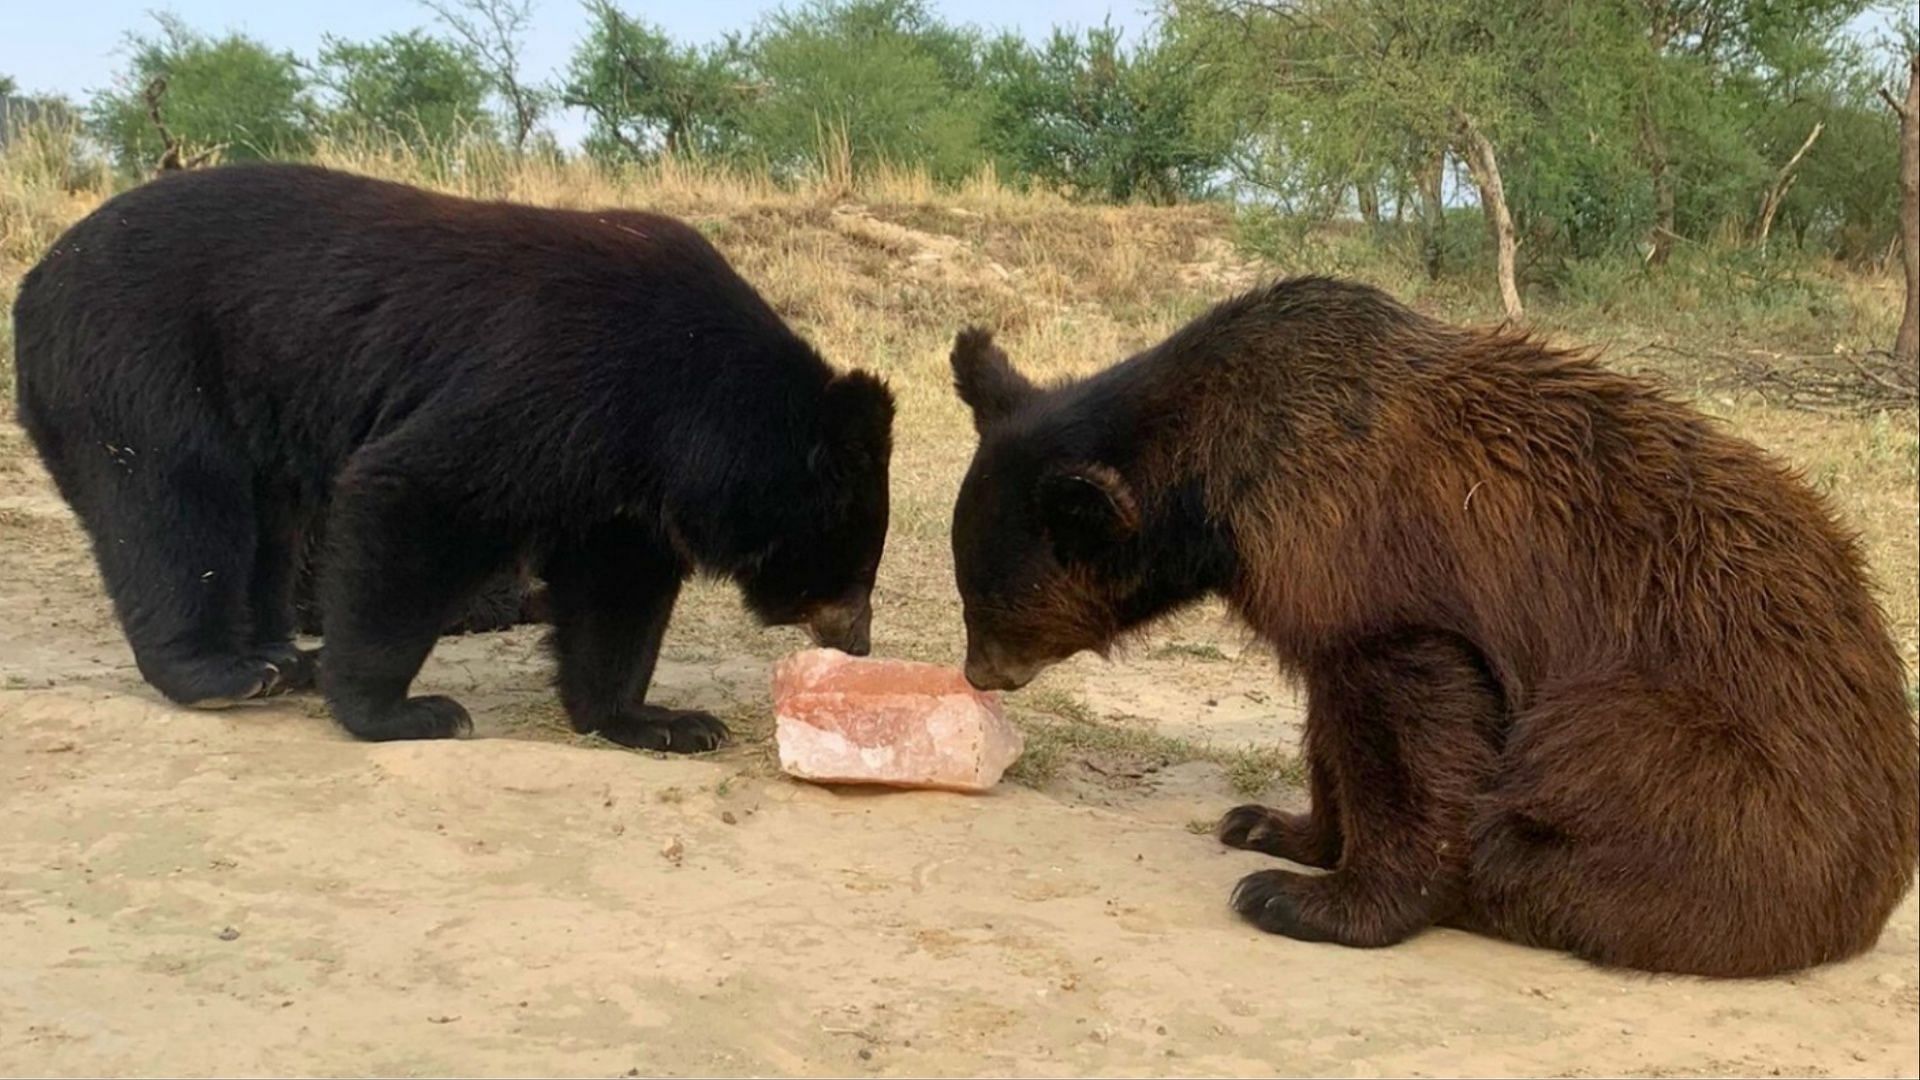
(508, 599)
(211, 362)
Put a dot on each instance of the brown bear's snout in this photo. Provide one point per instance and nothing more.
(846, 625)
(990, 668)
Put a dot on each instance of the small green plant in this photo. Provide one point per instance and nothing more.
(1195, 650)
(1059, 703)
(1254, 769)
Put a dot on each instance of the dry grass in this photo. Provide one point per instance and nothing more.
(880, 269)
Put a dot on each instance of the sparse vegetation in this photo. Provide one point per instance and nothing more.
(1192, 650)
(1061, 729)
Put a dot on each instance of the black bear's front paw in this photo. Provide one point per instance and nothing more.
(676, 731)
(432, 717)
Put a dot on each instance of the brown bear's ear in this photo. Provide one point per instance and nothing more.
(856, 420)
(1086, 509)
(985, 378)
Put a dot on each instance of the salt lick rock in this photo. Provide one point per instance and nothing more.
(894, 722)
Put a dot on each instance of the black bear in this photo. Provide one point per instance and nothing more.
(507, 599)
(1583, 670)
(214, 361)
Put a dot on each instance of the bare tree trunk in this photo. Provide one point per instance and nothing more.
(1367, 197)
(1782, 181)
(1653, 143)
(172, 154)
(1906, 345)
(1432, 213)
(1663, 212)
(496, 31)
(1485, 167)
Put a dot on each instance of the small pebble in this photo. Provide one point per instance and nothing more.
(866, 1054)
(673, 850)
(228, 934)
(727, 817)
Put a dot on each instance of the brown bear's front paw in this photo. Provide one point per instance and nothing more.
(1272, 901)
(1275, 832)
(1338, 907)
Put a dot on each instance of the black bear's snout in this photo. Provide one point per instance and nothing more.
(847, 626)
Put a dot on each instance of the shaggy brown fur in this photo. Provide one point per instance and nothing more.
(1583, 670)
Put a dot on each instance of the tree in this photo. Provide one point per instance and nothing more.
(1084, 114)
(1485, 166)
(1332, 93)
(411, 85)
(1906, 343)
(495, 32)
(230, 92)
(1783, 182)
(646, 94)
(50, 112)
(896, 82)
(1708, 66)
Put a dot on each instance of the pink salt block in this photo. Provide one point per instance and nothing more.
(846, 720)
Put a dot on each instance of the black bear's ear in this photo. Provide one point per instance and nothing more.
(856, 420)
(985, 378)
(1086, 509)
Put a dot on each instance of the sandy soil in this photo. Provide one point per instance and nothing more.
(250, 892)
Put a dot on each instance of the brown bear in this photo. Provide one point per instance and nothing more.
(1583, 670)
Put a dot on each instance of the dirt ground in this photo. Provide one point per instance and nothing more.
(250, 892)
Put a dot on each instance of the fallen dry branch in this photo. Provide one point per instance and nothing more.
(1810, 382)
(1838, 382)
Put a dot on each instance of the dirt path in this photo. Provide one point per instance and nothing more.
(249, 892)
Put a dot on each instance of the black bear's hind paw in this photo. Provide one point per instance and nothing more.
(219, 682)
(294, 668)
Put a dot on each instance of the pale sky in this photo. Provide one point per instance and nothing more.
(75, 48)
